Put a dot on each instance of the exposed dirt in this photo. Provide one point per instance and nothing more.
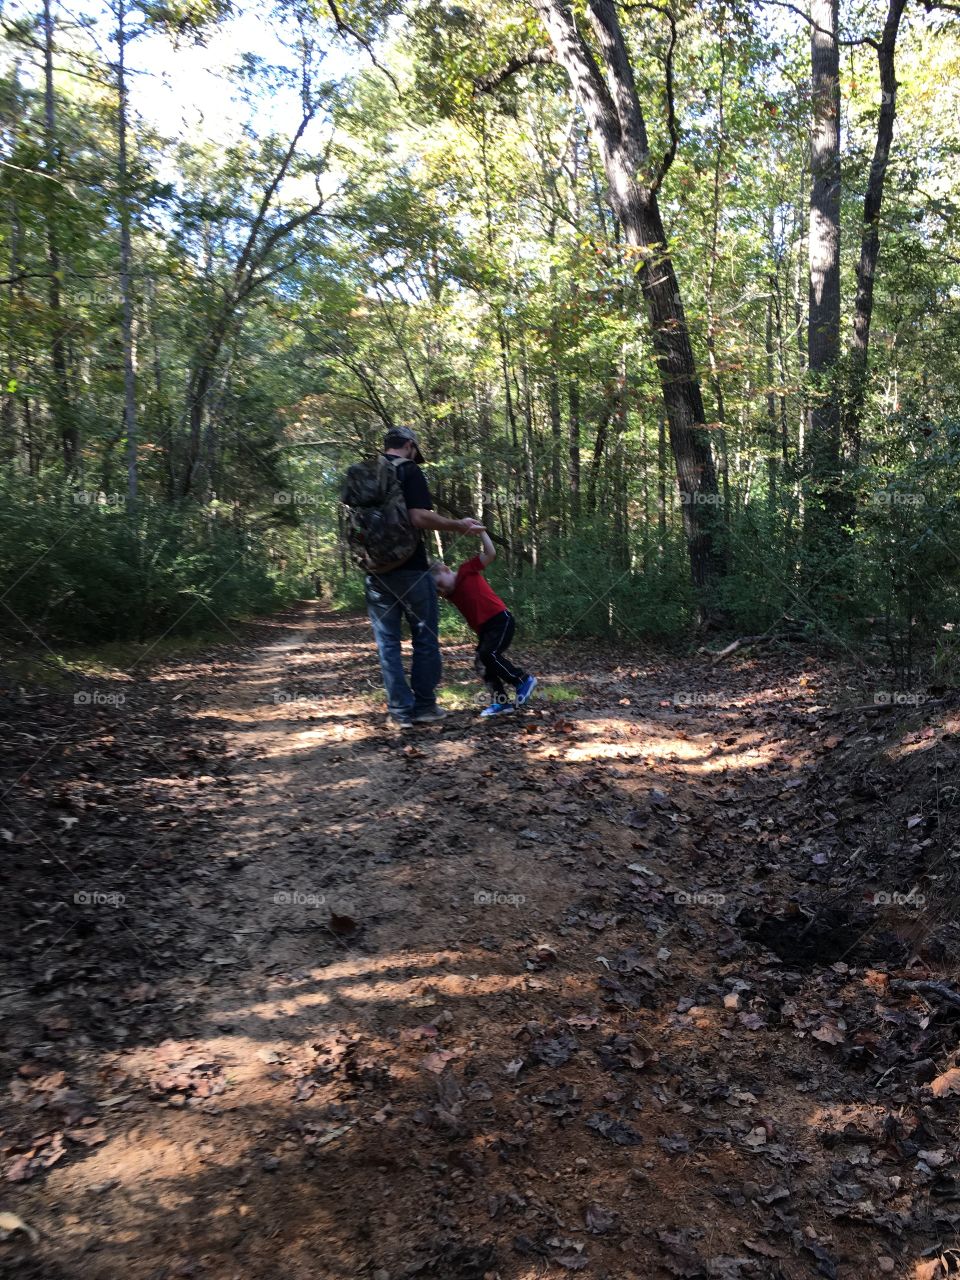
(637, 985)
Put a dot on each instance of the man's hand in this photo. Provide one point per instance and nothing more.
(420, 518)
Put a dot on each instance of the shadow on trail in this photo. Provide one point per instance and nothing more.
(514, 999)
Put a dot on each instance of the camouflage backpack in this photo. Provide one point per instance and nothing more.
(378, 528)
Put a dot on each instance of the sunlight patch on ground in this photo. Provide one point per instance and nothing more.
(151, 1158)
(619, 741)
(288, 739)
(366, 980)
(904, 749)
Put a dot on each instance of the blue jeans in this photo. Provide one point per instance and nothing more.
(410, 594)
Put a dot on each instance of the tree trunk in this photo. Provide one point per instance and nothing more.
(870, 236)
(63, 413)
(126, 285)
(616, 121)
(9, 442)
(823, 325)
(531, 488)
(716, 382)
(573, 468)
(621, 534)
(662, 482)
(198, 388)
(599, 449)
(771, 398)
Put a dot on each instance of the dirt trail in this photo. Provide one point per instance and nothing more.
(501, 999)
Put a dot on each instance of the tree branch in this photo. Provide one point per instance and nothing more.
(670, 155)
(620, 79)
(493, 79)
(581, 66)
(344, 28)
(248, 261)
(846, 44)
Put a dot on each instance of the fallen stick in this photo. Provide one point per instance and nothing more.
(732, 648)
(928, 989)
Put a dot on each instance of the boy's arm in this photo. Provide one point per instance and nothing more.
(489, 552)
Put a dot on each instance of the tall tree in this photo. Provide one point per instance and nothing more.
(63, 412)
(823, 322)
(611, 104)
(122, 38)
(870, 231)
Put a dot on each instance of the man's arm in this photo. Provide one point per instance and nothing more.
(420, 518)
(489, 552)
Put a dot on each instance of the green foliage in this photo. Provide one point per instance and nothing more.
(578, 593)
(462, 273)
(84, 570)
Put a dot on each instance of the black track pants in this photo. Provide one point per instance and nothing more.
(493, 639)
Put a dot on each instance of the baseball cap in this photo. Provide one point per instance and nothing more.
(397, 435)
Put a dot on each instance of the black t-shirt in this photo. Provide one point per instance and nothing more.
(416, 493)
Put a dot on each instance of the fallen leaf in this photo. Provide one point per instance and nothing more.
(599, 1220)
(615, 1130)
(426, 1032)
(9, 1223)
(946, 1084)
(437, 1060)
(829, 1033)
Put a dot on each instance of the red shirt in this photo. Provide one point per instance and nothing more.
(473, 595)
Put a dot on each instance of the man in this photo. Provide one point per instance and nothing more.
(410, 592)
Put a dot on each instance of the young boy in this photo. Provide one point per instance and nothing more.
(493, 622)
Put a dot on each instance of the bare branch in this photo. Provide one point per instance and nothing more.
(249, 259)
(846, 44)
(670, 155)
(345, 29)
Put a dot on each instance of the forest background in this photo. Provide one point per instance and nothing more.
(670, 290)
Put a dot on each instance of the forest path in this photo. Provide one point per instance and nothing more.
(493, 999)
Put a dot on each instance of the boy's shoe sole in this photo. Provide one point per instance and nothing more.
(525, 690)
(498, 709)
(401, 724)
(430, 717)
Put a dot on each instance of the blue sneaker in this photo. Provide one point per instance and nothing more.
(525, 689)
(497, 709)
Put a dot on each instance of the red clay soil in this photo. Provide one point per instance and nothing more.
(652, 981)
